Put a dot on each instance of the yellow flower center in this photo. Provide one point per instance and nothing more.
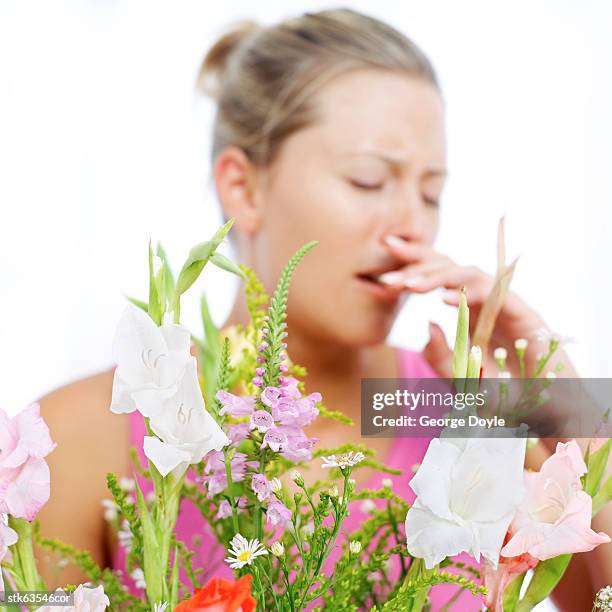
(244, 555)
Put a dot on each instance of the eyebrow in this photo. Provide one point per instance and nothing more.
(398, 162)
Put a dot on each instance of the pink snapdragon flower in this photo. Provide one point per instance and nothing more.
(236, 432)
(298, 446)
(216, 477)
(235, 405)
(24, 474)
(277, 513)
(555, 518)
(225, 509)
(261, 486)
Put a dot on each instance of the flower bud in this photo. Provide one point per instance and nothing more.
(276, 485)
(333, 491)
(277, 549)
(387, 483)
(355, 547)
(297, 478)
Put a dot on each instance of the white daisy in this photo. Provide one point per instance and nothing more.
(343, 461)
(244, 551)
(548, 337)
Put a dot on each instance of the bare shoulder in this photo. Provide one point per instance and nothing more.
(91, 441)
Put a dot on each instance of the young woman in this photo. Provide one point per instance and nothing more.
(330, 126)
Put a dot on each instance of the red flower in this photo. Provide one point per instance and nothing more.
(221, 596)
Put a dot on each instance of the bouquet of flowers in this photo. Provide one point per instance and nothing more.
(225, 430)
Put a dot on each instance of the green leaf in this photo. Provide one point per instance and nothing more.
(155, 307)
(225, 263)
(142, 305)
(603, 496)
(154, 574)
(174, 581)
(597, 463)
(462, 340)
(546, 576)
(168, 278)
(512, 592)
(198, 257)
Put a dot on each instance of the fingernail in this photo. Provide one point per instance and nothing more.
(392, 278)
(394, 241)
(415, 281)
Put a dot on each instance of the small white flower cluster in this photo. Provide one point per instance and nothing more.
(603, 600)
(343, 461)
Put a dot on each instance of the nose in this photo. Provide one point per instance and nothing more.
(409, 217)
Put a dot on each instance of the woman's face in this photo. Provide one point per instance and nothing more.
(371, 165)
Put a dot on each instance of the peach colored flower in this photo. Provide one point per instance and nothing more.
(555, 518)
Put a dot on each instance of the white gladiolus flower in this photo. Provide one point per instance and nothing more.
(244, 551)
(343, 461)
(148, 357)
(467, 493)
(186, 431)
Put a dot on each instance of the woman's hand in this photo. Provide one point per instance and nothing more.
(427, 270)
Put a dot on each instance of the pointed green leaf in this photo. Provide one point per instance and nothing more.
(198, 257)
(155, 308)
(142, 305)
(168, 277)
(225, 263)
(603, 496)
(546, 576)
(597, 462)
(462, 340)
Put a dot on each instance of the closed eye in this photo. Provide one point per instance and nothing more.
(365, 186)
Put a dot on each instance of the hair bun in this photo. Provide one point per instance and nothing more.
(216, 60)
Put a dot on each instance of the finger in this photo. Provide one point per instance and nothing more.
(438, 353)
(408, 251)
(453, 278)
(415, 273)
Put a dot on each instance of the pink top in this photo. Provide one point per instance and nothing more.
(404, 454)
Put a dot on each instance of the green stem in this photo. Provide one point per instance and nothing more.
(27, 577)
(230, 487)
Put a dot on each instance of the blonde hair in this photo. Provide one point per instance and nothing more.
(264, 78)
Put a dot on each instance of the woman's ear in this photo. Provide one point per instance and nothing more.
(237, 187)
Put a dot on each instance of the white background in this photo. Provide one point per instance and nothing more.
(105, 144)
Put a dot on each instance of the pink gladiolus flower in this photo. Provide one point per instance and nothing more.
(277, 513)
(235, 405)
(555, 518)
(24, 474)
(497, 579)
